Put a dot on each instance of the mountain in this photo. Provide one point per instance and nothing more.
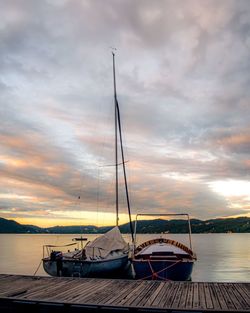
(220, 225)
(234, 225)
(9, 226)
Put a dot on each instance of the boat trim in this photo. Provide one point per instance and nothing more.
(166, 241)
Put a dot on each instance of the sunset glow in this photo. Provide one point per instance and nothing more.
(184, 99)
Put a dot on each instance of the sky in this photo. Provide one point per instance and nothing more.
(183, 77)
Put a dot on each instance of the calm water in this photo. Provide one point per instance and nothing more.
(221, 257)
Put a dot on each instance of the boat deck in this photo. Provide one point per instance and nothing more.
(57, 294)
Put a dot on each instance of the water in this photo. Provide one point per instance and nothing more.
(221, 257)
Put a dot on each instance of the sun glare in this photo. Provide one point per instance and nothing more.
(231, 188)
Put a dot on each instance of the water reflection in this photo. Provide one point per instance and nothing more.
(221, 257)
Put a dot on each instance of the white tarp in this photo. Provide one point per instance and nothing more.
(104, 244)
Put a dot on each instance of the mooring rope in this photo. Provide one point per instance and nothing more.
(155, 275)
(37, 268)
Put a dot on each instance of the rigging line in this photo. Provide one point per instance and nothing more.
(124, 171)
(118, 123)
(109, 165)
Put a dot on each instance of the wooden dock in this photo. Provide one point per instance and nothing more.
(55, 294)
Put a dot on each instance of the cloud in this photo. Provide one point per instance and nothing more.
(182, 79)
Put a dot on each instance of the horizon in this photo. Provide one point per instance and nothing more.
(184, 99)
(112, 225)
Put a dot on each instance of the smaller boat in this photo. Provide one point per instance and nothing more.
(105, 256)
(163, 259)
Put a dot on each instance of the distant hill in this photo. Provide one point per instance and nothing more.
(9, 227)
(234, 225)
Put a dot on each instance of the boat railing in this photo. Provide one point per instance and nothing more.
(164, 214)
(47, 249)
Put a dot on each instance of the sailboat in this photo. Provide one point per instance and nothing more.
(107, 255)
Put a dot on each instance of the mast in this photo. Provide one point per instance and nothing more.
(118, 124)
(116, 150)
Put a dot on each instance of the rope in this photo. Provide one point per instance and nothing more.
(37, 268)
(67, 245)
(155, 275)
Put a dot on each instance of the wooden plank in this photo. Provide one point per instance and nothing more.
(208, 298)
(169, 296)
(68, 290)
(117, 297)
(190, 294)
(76, 290)
(108, 295)
(145, 287)
(228, 300)
(154, 294)
(133, 292)
(196, 302)
(2, 276)
(202, 299)
(245, 291)
(10, 280)
(50, 290)
(241, 297)
(93, 292)
(161, 294)
(234, 297)
(219, 294)
(151, 290)
(183, 299)
(36, 289)
(214, 297)
(18, 285)
(178, 295)
(143, 284)
(159, 300)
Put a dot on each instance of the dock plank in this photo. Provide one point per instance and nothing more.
(219, 293)
(214, 296)
(58, 293)
(202, 298)
(137, 301)
(190, 295)
(150, 291)
(208, 298)
(235, 299)
(132, 292)
(169, 296)
(154, 294)
(245, 291)
(94, 290)
(196, 302)
(117, 297)
(178, 295)
(183, 298)
(227, 298)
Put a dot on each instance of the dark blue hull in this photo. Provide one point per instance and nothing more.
(163, 270)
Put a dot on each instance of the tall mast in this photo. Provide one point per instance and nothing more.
(116, 150)
(118, 123)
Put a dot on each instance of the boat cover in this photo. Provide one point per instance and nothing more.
(106, 243)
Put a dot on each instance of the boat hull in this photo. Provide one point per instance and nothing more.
(162, 270)
(83, 268)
